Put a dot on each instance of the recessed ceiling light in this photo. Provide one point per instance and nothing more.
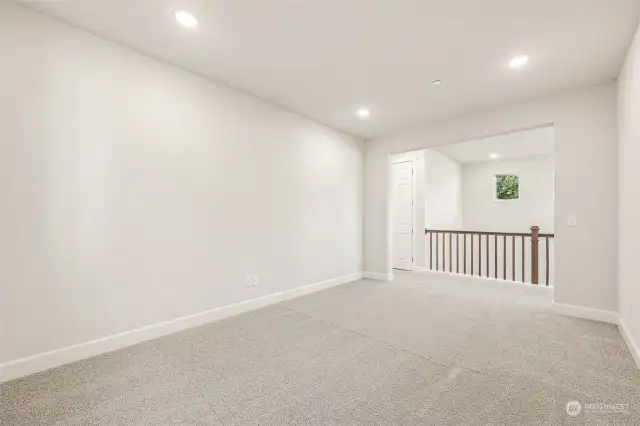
(363, 113)
(494, 155)
(436, 82)
(186, 19)
(518, 61)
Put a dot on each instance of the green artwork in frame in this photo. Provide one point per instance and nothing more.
(507, 187)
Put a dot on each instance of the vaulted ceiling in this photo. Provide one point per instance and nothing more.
(326, 58)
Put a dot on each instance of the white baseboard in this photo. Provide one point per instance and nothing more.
(378, 276)
(43, 361)
(631, 344)
(476, 280)
(586, 313)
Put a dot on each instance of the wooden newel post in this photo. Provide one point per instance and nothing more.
(534, 254)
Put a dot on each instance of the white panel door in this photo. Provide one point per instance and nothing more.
(402, 215)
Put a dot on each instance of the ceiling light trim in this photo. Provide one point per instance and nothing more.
(363, 112)
(518, 61)
(186, 19)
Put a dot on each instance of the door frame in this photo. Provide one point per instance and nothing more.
(404, 158)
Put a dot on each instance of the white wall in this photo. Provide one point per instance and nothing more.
(134, 192)
(585, 185)
(628, 200)
(443, 195)
(534, 207)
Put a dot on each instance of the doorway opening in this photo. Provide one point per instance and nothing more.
(482, 208)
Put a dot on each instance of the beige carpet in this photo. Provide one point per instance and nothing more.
(409, 352)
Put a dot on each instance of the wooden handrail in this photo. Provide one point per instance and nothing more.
(534, 256)
(508, 234)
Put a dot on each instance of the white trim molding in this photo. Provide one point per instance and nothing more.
(633, 346)
(43, 361)
(379, 276)
(586, 313)
(477, 280)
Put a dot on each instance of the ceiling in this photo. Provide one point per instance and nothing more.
(511, 146)
(326, 58)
